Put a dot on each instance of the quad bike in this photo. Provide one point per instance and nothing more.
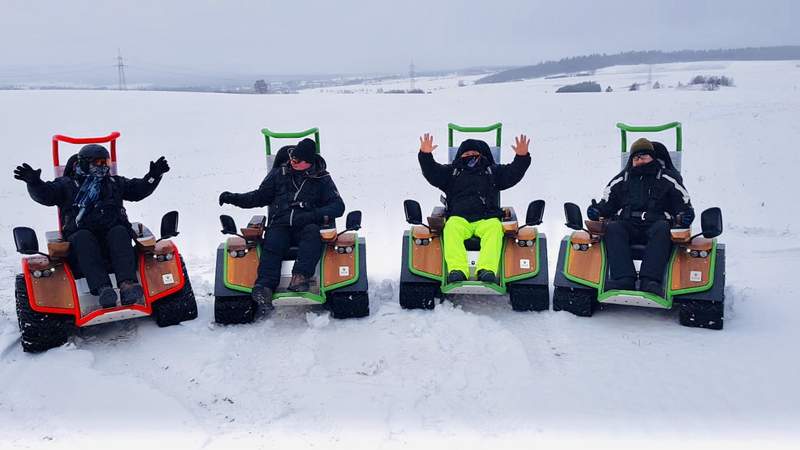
(340, 279)
(523, 263)
(53, 298)
(694, 278)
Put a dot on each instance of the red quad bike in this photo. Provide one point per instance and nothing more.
(53, 298)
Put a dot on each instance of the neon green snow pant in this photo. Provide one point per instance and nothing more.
(457, 229)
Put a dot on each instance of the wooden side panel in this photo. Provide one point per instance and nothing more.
(54, 291)
(428, 258)
(586, 265)
(243, 271)
(519, 260)
(689, 272)
(338, 267)
(161, 276)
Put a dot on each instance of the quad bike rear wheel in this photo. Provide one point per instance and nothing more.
(237, 309)
(40, 331)
(418, 295)
(702, 314)
(348, 305)
(581, 302)
(529, 298)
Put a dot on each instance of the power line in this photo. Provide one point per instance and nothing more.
(411, 74)
(121, 72)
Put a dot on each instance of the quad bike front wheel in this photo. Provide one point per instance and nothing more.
(40, 331)
(178, 307)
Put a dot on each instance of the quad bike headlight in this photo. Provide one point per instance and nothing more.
(703, 254)
(694, 253)
(350, 249)
(233, 253)
(418, 241)
(340, 250)
(170, 256)
(46, 273)
(530, 243)
(37, 273)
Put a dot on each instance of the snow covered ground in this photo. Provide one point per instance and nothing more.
(470, 375)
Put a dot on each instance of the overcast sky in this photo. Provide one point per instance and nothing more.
(363, 36)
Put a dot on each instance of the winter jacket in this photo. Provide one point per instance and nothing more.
(283, 187)
(473, 192)
(645, 194)
(106, 213)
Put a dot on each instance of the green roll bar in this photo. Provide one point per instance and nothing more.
(297, 135)
(453, 127)
(624, 128)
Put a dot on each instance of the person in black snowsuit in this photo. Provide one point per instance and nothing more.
(642, 203)
(301, 196)
(93, 218)
(472, 185)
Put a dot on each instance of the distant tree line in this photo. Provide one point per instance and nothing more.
(599, 61)
(586, 86)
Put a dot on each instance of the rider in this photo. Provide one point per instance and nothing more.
(93, 218)
(642, 203)
(301, 196)
(472, 185)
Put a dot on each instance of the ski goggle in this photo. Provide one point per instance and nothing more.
(639, 156)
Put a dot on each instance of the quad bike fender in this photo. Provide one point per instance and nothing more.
(238, 272)
(715, 292)
(161, 278)
(340, 262)
(55, 294)
(525, 265)
(358, 282)
(408, 272)
(560, 276)
(581, 260)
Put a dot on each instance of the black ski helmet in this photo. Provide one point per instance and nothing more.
(89, 153)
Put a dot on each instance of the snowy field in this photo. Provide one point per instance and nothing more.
(469, 375)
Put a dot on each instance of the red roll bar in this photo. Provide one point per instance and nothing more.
(111, 138)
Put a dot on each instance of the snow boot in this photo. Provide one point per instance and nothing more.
(262, 297)
(299, 283)
(455, 276)
(486, 276)
(622, 284)
(130, 292)
(652, 286)
(108, 297)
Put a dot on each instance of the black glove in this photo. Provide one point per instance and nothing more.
(685, 218)
(593, 211)
(225, 197)
(27, 174)
(300, 205)
(159, 167)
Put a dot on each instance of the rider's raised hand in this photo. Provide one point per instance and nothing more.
(426, 144)
(159, 167)
(521, 144)
(225, 197)
(27, 174)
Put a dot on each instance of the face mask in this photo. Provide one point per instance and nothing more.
(98, 171)
(472, 161)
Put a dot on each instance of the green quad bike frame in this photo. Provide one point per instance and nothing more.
(523, 264)
(340, 280)
(694, 278)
